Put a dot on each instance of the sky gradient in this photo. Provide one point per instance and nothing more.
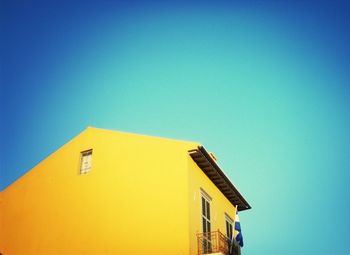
(262, 84)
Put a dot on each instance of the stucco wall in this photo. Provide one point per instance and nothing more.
(134, 201)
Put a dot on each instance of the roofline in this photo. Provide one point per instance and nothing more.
(217, 176)
(140, 134)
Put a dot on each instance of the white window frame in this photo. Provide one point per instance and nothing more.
(85, 161)
(207, 245)
(229, 220)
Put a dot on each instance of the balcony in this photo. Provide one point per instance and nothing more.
(213, 242)
(216, 243)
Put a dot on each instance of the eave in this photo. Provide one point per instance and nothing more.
(217, 176)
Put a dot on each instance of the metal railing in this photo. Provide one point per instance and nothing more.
(212, 242)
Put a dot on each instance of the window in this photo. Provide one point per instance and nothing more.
(206, 225)
(229, 228)
(232, 244)
(205, 214)
(85, 161)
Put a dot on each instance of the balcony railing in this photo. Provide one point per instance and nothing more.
(213, 242)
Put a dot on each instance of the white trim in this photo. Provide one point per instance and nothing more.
(207, 199)
(228, 218)
(205, 195)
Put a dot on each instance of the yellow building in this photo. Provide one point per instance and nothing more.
(108, 192)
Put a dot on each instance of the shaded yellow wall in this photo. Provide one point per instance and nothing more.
(134, 201)
(219, 204)
(1, 224)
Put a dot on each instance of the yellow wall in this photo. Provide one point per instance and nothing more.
(219, 204)
(134, 201)
(142, 196)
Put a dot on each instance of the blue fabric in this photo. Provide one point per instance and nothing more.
(239, 237)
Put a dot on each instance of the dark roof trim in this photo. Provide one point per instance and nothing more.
(217, 176)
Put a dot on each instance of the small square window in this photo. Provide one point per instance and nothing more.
(85, 161)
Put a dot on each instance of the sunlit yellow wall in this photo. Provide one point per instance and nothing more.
(219, 204)
(134, 201)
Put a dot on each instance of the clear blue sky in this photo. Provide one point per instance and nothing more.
(262, 84)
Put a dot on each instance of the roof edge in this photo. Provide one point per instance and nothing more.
(236, 198)
(92, 128)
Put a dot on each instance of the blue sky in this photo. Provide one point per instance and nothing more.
(262, 84)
